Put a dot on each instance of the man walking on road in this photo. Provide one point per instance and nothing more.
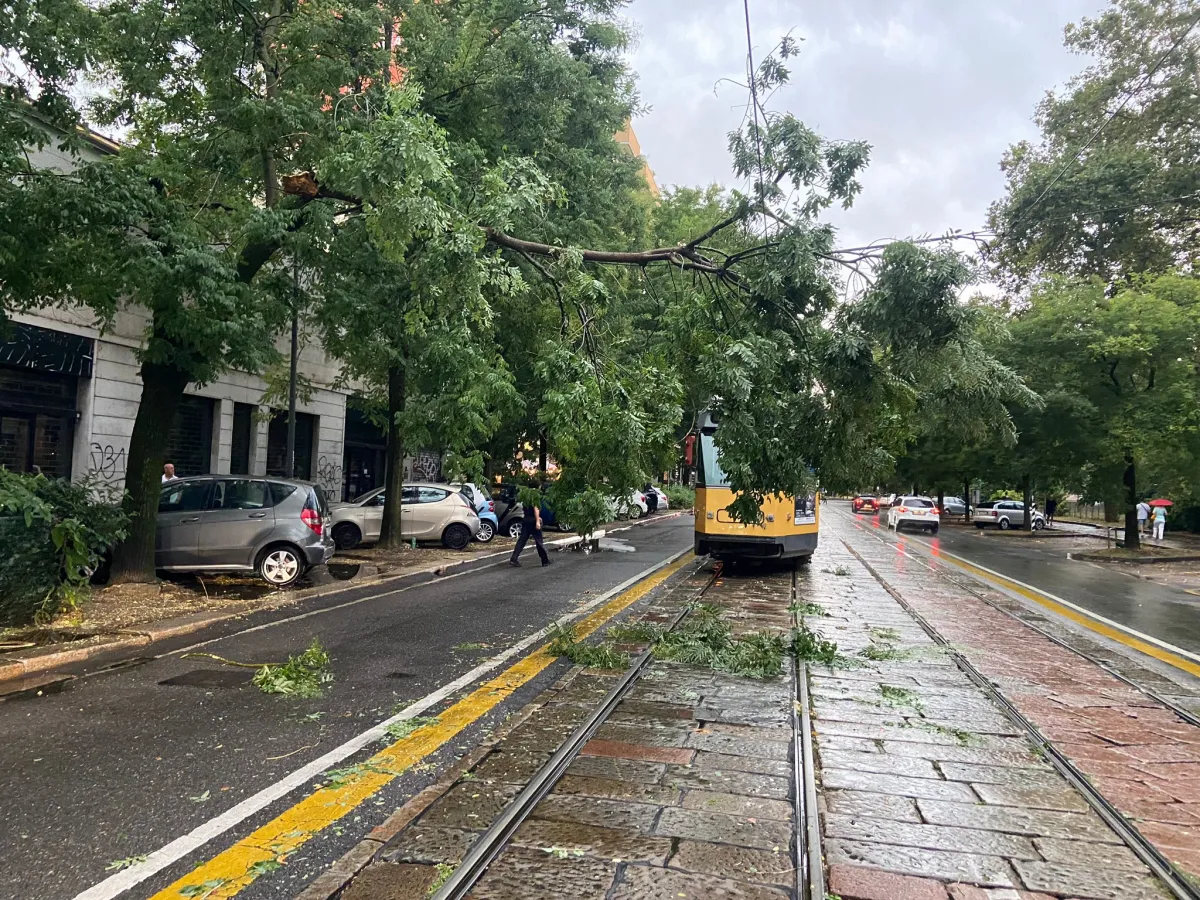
(1143, 511)
(531, 526)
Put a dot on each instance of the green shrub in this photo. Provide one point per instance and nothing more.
(680, 496)
(54, 534)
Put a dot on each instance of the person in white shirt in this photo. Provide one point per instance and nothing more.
(168, 472)
(1143, 511)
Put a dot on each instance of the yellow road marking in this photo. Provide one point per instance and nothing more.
(1074, 615)
(227, 873)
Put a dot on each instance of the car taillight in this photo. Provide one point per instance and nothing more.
(491, 506)
(902, 509)
(312, 519)
(935, 511)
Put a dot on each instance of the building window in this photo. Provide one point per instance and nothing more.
(306, 428)
(365, 455)
(37, 420)
(243, 439)
(189, 444)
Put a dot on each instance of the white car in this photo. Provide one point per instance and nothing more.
(919, 512)
(634, 506)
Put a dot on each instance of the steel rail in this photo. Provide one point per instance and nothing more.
(492, 842)
(810, 871)
(1177, 883)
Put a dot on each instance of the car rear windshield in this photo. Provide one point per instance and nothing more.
(918, 502)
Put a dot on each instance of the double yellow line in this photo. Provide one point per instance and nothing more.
(261, 852)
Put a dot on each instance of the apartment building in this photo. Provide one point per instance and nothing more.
(69, 394)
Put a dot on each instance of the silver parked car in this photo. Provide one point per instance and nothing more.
(1006, 514)
(430, 512)
(277, 527)
(953, 506)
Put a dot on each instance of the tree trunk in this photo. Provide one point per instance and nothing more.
(162, 389)
(1027, 499)
(941, 500)
(967, 499)
(543, 453)
(391, 535)
(1133, 540)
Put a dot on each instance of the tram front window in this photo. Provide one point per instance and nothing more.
(710, 471)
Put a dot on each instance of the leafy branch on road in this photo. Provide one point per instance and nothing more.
(397, 731)
(303, 676)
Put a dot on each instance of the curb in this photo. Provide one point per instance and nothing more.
(42, 660)
(1094, 557)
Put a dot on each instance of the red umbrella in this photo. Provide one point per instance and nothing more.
(1161, 502)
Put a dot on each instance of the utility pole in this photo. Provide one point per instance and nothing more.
(291, 431)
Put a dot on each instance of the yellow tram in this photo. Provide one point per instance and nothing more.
(788, 526)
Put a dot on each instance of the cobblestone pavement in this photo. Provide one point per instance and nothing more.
(926, 783)
(684, 792)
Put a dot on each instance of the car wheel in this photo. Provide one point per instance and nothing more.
(934, 529)
(346, 536)
(485, 533)
(635, 512)
(280, 566)
(1004, 524)
(456, 536)
(514, 529)
(1039, 524)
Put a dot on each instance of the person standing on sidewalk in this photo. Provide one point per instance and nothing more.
(531, 526)
(1160, 522)
(1051, 509)
(1143, 513)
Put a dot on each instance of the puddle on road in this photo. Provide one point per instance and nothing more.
(250, 587)
(211, 678)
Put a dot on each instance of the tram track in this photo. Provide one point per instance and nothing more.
(1179, 885)
(806, 853)
(967, 582)
(493, 841)
(809, 859)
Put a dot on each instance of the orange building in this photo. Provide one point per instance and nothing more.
(629, 141)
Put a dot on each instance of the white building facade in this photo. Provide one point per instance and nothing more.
(69, 395)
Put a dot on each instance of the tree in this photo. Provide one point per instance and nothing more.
(1111, 189)
(1121, 382)
(271, 135)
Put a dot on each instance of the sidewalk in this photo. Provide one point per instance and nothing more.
(1138, 753)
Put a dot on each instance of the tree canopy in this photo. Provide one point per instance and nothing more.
(435, 187)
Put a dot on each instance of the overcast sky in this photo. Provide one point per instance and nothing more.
(939, 88)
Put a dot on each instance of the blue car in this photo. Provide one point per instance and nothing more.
(484, 506)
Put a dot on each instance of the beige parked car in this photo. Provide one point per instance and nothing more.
(430, 512)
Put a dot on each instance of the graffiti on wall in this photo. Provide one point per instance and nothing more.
(106, 463)
(425, 466)
(329, 476)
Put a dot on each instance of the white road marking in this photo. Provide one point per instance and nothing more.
(115, 885)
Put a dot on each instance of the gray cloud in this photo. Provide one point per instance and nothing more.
(939, 88)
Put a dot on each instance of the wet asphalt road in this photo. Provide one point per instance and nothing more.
(119, 764)
(1163, 612)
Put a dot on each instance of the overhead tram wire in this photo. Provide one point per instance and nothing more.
(1108, 119)
(754, 105)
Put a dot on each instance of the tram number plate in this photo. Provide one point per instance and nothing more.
(806, 510)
